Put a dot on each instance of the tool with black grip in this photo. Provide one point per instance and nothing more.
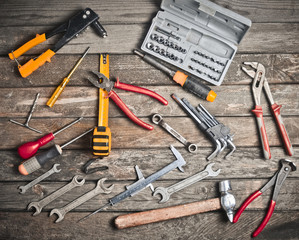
(70, 29)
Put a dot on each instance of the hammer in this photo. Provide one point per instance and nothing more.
(227, 202)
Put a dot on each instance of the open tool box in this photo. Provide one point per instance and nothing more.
(197, 36)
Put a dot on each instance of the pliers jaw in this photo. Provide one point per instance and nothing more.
(102, 81)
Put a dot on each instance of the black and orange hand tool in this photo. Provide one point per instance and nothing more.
(101, 140)
(71, 29)
(188, 83)
(276, 181)
(36, 162)
(65, 81)
(108, 85)
(28, 149)
(260, 82)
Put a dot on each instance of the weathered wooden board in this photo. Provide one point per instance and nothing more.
(281, 68)
(122, 39)
(206, 226)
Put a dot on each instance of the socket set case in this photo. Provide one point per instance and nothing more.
(197, 36)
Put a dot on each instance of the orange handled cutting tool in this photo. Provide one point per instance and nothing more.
(71, 28)
(101, 141)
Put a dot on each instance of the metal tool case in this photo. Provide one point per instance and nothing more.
(197, 36)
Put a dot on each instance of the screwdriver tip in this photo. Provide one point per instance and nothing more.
(137, 52)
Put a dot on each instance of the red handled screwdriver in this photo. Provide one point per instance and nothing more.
(28, 149)
(36, 162)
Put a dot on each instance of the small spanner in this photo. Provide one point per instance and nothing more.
(45, 201)
(166, 192)
(100, 188)
(158, 119)
(54, 169)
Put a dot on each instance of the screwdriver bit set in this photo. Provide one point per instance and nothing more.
(197, 36)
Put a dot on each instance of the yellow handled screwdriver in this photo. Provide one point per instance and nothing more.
(62, 85)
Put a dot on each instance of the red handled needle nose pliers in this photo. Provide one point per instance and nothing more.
(277, 180)
(105, 83)
(260, 82)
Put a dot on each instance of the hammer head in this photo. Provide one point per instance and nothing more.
(228, 201)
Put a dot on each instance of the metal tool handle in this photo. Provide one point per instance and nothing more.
(258, 111)
(275, 108)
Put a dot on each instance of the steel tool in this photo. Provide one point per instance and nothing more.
(69, 29)
(166, 192)
(105, 83)
(218, 133)
(188, 83)
(277, 180)
(260, 82)
(228, 201)
(158, 119)
(36, 162)
(26, 124)
(54, 169)
(45, 201)
(28, 149)
(101, 140)
(88, 170)
(100, 188)
(142, 182)
(162, 214)
(65, 81)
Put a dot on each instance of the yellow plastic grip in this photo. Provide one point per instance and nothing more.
(32, 43)
(32, 65)
(57, 92)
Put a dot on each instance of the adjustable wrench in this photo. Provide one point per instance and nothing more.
(100, 188)
(158, 119)
(54, 169)
(45, 201)
(166, 192)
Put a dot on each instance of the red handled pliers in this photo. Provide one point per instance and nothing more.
(277, 180)
(105, 83)
(260, 82)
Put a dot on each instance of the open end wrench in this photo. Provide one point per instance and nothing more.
(166, 192)
(158, 119)
(100, 188)
(54, 169)
(45, 201)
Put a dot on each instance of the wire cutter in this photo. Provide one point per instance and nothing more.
(277, 180)
(71, 29)
(106, 84)
(260, 81)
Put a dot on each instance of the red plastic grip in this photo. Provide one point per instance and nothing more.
(245, 204)
(141, 90)
(127, 111)
(265, 220)
(282, 130)
(28, 149)
(258, 111)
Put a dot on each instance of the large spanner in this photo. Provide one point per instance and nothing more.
(54, 169)
(158, 119)
(45, 201)
(166, 192)
(100, 188)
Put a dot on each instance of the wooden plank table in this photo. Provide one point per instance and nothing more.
(272, 40)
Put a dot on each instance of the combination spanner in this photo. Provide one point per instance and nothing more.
(54, 169)
(158, 119)
(45, 201)
(100, 188)
(166, 192)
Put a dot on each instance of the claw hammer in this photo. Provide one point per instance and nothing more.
(101, 141)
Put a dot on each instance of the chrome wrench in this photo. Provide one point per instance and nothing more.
(54, 169)
(100, 188)
(166, 192)
(45, 201)
(158, 119)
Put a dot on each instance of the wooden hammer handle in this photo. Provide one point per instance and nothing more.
(162, 214)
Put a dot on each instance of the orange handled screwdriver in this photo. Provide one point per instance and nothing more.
(36, 162)
(28, 149)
